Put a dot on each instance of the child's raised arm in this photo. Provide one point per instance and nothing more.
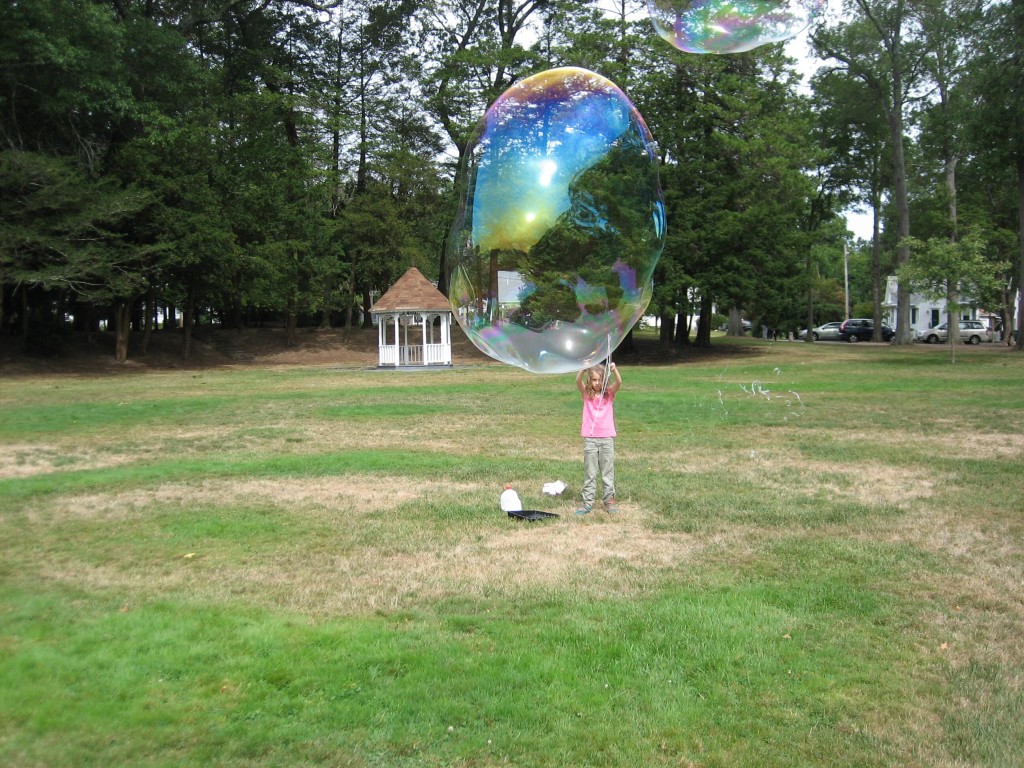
(616, 382)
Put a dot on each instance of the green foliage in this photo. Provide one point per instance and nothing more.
(62, 228)
(62, 77)
(274, 157)
(736, 152)
(940, 268)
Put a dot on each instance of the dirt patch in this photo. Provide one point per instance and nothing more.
(90, 354)
(213, 348)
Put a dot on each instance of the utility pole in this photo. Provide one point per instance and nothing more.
(846, 282)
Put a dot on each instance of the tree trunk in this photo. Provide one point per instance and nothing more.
(952, 312)
(704, 325)
(291, 323)
(147, 329)
(876, 299)
(667, 328)
(89, 322)
(876, 271)
(1016, 56)
(682, 329)
(367, 303)
(1006, 298)
(186, 324)
(62, 300)
(902, 200)
(627, 346)
(810, 298)
(950, 176)
(24, 312)
(122, 329)
(325, 313)
(952, 319)
(735, 321)
(350, 296)
(1019, 346)
(234, 318)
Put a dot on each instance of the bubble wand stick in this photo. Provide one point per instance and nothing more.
(607, 367)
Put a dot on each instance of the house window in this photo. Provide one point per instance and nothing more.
(913, 315)
(935, 318)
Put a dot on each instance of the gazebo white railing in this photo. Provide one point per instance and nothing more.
(426, 345)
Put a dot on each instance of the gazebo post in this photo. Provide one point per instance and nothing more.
(423, 320)
(398, 341)
(380, 342)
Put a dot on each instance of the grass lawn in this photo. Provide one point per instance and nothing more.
(819, 561)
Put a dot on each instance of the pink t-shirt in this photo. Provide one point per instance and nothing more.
(599, 416)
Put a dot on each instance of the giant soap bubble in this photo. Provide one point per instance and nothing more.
(730, 26)
(551, 255)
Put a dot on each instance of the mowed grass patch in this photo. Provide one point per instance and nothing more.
(711, 675)
(817, 562)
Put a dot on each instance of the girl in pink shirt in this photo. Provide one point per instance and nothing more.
(598, 433)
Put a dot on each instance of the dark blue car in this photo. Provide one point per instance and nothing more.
(862, 329)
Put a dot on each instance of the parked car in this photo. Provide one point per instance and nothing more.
(826, 332)
(971, 332)
(745, 324)
(862, 329)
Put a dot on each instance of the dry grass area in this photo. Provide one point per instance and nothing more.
(953, 441)
(344, 567)
(595, 556)
(336, 572)
(28, 459)
(784, 469)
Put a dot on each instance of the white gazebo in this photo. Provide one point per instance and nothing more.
(413, 303)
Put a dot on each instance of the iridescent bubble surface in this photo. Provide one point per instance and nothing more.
(561, 225)
(720, 26)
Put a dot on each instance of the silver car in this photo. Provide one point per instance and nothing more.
(971, 332)
(826, 332)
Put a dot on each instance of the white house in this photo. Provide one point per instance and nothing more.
(925, 313)
(511, 288)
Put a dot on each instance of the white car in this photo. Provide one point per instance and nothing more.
(971, 332)
(826, 332)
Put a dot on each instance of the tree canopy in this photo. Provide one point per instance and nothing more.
(235, 161)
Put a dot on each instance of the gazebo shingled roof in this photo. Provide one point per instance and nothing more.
(412, 292)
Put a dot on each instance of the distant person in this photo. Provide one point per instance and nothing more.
(598, 431)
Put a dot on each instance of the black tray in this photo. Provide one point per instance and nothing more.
(531, 515)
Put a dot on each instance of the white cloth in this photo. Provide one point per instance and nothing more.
(555, 488)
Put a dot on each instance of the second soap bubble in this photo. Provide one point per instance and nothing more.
(720, 26)
(561, 224)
